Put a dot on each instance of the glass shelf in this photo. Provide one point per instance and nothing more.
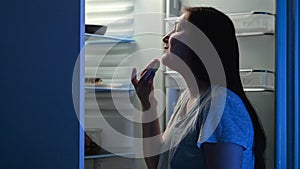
(106, 154)
(259, 89)
(245, 23)
(105, 88)
(102, 39)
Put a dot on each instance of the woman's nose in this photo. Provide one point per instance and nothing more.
(165, 39)
(167, 36)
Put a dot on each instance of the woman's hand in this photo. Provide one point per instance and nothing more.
(144, 86)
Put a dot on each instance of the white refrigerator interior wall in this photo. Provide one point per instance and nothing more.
(103, 59)
(149, 17)
(140, 22)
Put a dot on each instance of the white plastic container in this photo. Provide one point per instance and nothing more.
(253, 23)
(245, 23)
(257, 79)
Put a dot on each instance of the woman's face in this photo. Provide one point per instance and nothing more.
(174, 50)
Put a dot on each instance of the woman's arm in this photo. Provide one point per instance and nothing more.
(152, 137)
(223, 155)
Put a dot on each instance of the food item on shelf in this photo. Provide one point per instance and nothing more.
(91, 80)
(90, 147)
(95, 29)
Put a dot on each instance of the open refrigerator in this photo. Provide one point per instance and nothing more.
(124, 47)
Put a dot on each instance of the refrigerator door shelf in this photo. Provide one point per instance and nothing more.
(103, 39)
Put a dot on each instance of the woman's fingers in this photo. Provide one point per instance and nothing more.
(151, 78)
(146, 80)
(134, 80)
(143, 72)
(145, 84)
(146, 76)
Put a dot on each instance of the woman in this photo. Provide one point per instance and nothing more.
(199, 135)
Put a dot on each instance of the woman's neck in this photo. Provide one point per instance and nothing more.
(196, 86)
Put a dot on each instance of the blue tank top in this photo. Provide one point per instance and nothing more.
(233, 126)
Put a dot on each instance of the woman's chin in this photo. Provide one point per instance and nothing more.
(167, 60)
(164, 59)
(170, 60)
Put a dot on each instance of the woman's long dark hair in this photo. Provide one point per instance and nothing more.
(220, 30)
